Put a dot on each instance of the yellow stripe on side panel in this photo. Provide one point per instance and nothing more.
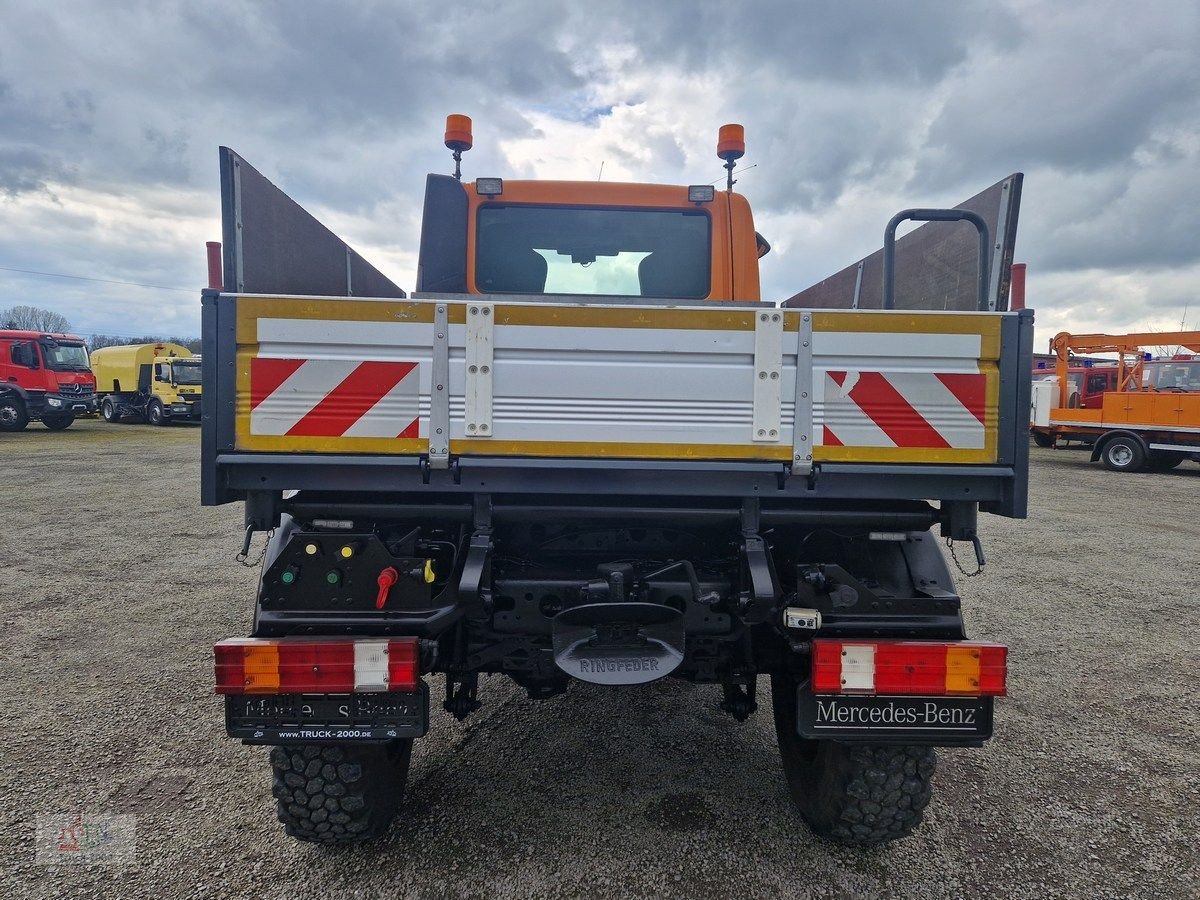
(251, 309)
(282, 443)
(991, 412)
(822, 453)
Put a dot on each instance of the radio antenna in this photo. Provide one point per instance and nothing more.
(739, 172)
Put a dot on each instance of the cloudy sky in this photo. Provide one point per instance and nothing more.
(111, 114)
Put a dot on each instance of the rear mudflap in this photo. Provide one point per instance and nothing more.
(878, 719)
(327, 718)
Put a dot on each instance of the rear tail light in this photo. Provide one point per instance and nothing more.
(301, 666)
(915, 668)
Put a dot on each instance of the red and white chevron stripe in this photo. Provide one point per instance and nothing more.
(334, 398)
(905, 409)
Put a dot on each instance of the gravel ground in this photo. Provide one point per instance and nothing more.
(114, 583)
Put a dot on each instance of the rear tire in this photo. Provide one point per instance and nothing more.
(58, 421)
(1043, 440)
(1123, 454)
(862, 795)
(339, 794)
(155, 414)
(108, 411)
(13, 416)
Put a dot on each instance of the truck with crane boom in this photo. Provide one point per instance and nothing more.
(1149, 421)
(584, 450)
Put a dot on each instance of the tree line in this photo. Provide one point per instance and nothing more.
(33, 318)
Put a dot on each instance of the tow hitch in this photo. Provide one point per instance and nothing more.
(618, 643)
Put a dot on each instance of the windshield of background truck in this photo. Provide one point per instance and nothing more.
(1168, 375)
(617, 252)
(186, 373)
(62, 357)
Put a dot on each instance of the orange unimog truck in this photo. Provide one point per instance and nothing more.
(1150, 422)
(585, 451)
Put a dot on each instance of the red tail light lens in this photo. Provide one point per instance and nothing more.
(403, 666)
(231, 678)
(326, 668)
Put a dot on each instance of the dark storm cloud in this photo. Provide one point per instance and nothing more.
(358, 85)
(846, 43)
(23, 170)
(32, 129)
(1085, 95)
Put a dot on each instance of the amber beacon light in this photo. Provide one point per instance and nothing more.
(458, 139)
(731, 142)
(731, 146)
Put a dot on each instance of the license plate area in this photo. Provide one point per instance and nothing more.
(327, 718)
(894, 719)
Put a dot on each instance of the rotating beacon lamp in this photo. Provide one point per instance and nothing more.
(731, 146)
(458, 139)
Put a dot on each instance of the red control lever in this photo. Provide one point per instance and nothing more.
(386, 579)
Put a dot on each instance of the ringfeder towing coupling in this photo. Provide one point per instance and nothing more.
(584, 450)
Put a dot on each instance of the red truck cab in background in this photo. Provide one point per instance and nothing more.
(1087, 384)
(44, 377)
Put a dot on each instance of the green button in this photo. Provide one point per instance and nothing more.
(289, 575)
(333, 577)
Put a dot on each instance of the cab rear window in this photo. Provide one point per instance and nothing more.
(614, 252)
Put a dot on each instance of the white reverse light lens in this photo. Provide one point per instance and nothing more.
(370, 666)
(858, 667)
(489, 187)
(701, 193)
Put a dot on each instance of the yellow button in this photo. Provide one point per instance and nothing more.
(347, 551)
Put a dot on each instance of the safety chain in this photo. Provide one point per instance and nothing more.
(958, 565)
(243, 556)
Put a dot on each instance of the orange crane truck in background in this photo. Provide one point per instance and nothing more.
(1151, 421)
(585, 451)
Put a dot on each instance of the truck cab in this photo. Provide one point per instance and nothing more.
(1180, 373)
(1086, 385)
(156, 383)
(588, 239)
(45, 377)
